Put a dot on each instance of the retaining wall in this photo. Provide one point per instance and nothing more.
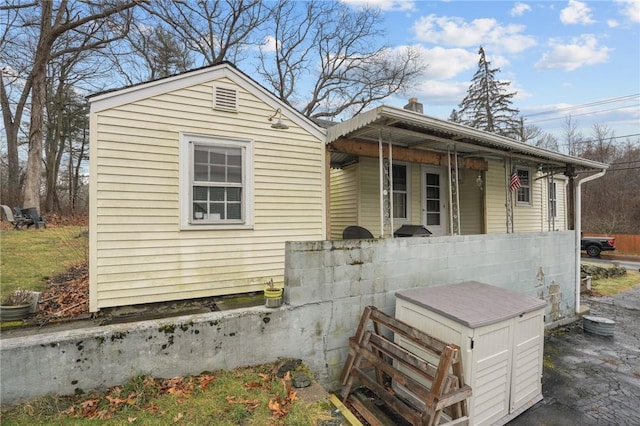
(327, 285)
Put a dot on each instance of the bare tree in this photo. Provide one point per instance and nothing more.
(89, 22)
(16, 47)
(573, 136)
(338, 45)
(150, 52)
(611, 204)
(218, 30)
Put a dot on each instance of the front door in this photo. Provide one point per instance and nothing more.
(434, 200)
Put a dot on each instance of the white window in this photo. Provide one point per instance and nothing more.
(216, 183)
(553, 200)
(524, 192)
(400, 192)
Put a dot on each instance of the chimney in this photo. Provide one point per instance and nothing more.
(414, 105)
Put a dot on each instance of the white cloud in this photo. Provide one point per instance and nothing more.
(444, 63)
(269, 44)
(612, 23)
(576, 13)
(582, 51)
(385, 5)
(630, 9)
(520, 9)
(455, 31)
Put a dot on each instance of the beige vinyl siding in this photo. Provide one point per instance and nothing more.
(139, 253)
(344, 199)
(471, 205)
(496, 218)
(559, 222)
(526, 217)
(416, 194)
(369, 190)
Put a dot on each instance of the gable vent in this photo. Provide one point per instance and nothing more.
(225, 98)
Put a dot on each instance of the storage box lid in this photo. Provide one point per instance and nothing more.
(472, 303)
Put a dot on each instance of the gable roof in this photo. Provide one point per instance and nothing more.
(415, 130)
(114, 98)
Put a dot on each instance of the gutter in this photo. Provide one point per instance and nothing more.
(578, 207)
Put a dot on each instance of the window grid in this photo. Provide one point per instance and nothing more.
(524, 192)
(217, 183)
(400, 191)
(553, 200)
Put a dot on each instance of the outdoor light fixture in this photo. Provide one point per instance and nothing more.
(278, 124)
(479, 182)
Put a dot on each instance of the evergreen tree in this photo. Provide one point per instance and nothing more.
(487, 105)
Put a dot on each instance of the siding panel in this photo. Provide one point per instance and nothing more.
(139, 254)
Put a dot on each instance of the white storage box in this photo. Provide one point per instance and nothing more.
(501, 338)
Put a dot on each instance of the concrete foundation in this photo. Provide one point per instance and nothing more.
(327, 286)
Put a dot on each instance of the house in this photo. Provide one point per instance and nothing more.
(196, 186)
(204, 184)
(450, 178)
(199, 180)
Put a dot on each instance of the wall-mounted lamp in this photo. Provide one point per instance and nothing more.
(479, 182)
(278, 124)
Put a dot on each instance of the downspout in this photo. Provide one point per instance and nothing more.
(578, 226)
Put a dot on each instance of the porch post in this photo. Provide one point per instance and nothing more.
(508, 202)
(381, 177)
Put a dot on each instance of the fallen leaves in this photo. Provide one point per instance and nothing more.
(256, 394)
(67, 295)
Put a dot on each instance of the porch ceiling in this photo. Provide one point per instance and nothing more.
(413, 130)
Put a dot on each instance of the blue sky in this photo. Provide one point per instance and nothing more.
(558, 55)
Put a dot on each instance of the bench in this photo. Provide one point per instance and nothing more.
(23, 217)
(433, 393)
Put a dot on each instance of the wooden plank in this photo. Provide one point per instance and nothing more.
(368, 149)
(372, 414)
(411, 333)
(400, 354)
(401, 378)
(346, 413)
(435, 389)
(406, 411)
(358, 339)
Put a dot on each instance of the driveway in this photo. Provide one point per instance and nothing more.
(590, 379)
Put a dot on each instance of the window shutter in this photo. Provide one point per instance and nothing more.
(225, 98)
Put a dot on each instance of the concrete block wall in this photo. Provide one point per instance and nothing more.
(327, 286)
(351, 274)
(65, 362)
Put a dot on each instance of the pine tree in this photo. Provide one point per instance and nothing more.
(487, 105)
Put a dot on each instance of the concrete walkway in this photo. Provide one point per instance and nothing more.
(590, 379)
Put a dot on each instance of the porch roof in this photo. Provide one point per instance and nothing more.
(414, 130)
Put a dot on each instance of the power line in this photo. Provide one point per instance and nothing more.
(590, 104)
(585, 113)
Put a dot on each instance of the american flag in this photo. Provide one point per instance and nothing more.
(514, 182)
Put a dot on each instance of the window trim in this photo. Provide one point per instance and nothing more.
(407, 192)
(524, 187)
(186, 187)
(552, 199)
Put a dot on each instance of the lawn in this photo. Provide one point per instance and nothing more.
(30, 257)
(613, 286)
(248, 396)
